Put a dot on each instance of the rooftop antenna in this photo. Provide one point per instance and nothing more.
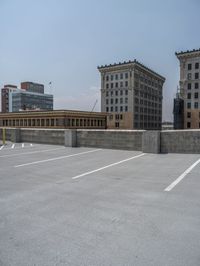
(94, 105)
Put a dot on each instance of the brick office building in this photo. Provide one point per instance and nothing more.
(190, 87)
(132, 94)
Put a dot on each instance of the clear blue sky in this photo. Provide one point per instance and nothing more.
(63, 41)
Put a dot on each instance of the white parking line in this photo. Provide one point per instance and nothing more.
(173, 184)
(1, 147)
(56, 158)
(22, 145)
(31, 145)
(107, 166)
(13, 145)
(31, 152)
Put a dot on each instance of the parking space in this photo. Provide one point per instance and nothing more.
(84, 206)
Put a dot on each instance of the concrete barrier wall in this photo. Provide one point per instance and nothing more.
(46, 136)
(171, 141)
(115, 139)
(8, 133)
(180, 141)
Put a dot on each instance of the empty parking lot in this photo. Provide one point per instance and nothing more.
(83, 206)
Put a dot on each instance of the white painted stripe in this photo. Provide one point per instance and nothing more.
(22, 145)
(13, 146)
(107, 166)
(173, 184)
(31, 152)
(31, 145)
(1, 147)
(56, 158)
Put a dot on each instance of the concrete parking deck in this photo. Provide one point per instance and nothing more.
(84, 206)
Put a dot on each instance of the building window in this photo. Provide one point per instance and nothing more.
(116, 109)
(126, 92)
(189, 66)
(121, 92)
(121, 84)
(111, 109)
(107, 109)
(126, 100)
(116, 100)
(189, 76)
(196, 95)
(107, 86)
(111, 85)
(136, 100)
(136, 108)
(111, 93)
(121, 76)
(126, 75)
(107, 93)
(121, 100)
(189, 95)
(117, 124)
(188, 115)
(196, 75)
(116, 84)
(196, 105)
(126, 83)
(107, 78)
(116, 93)
(111, 101)
(196, 65)
(121, 117)
(189, 86)
(116, 77)
(106, 101)
(126, 108)
(188, 124)
(121, 108)
(111, 77)
(188, 105)
(196, 85)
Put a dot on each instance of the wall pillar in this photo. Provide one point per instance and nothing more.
(151, 141)
(70, 138)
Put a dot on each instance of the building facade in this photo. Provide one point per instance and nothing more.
(190, 87)
(54, 119)
(132, 95)
(23, 100)
(6, 97)
(32, 87)
(178, 112)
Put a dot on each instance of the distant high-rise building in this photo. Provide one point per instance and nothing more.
(190, 86)
(30, 97)
(131, 94)
(22, 100)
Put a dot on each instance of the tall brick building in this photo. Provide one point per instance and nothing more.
(132, 95)
(190, 87)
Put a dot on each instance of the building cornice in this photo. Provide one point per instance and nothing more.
(53, 112)
(193, 52)
(129, 64)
